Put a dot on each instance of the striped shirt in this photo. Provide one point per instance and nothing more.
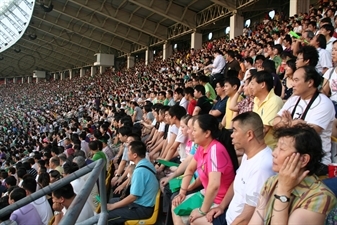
(311, 194)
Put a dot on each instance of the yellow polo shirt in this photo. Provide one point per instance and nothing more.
(268, 110)
(229, 113)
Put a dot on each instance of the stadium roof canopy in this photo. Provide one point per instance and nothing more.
(64, 34)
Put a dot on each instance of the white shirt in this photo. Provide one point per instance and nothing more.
(43, 208)
(181, 138)
(183, 102)
(329, 44)
(161, 127)
(321, 113)
(85, 147)
(249, 179)
(332, 83)
(173, 129)
(85, 214)
(218, 64)
(324, 60)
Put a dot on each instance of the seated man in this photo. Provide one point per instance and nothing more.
(4, 219)
(295, 195)
(62, 198)
(309, 106)
(26, 214)
(144, 187)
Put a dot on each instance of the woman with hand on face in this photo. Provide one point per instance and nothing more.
(295, 195)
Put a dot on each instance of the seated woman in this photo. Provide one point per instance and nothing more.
(295, 195)
(214, 165)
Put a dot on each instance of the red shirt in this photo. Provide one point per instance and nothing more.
(191, 106)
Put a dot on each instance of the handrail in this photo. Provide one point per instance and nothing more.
(98, 172)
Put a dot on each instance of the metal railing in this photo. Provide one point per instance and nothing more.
(97, 170)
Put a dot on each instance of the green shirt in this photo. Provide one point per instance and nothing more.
(99, 155)
(210, 89)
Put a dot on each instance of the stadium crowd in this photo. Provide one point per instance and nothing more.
(238, 132)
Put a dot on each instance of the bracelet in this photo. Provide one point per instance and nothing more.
(201, 212)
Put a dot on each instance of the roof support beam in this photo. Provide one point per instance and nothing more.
(170, 10)
(230, 5)
(86, 20)
(88, 40)
(64, 56)
(136, 22)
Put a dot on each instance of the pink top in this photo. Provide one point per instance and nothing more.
(215, 159)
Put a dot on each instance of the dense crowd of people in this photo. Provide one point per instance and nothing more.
(238, 132)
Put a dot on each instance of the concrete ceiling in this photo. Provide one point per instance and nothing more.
(74, 30)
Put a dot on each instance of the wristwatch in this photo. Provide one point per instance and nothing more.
(56, 213)
(282, 198)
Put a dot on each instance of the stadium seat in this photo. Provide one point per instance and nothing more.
(109, 176)
(153, 219)
(51, 221)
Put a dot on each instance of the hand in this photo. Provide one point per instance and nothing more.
(178, 199)
(119, 181)
(111, 207)
(291, 174)
(113, 181)
(240, 89)
(195, 214)
(214, 213)
(57, 206)
(115, 160)
(164, 181)
(286, 117)
(118, 190)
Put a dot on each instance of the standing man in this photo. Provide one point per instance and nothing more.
(217, 66)
(144, 187)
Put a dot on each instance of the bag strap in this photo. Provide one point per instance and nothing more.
(331, 73)
(148, 168)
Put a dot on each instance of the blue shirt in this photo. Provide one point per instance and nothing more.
(144, 184)
(221, 106)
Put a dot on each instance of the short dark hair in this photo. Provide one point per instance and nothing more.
(249, 60)
(177, 111)
(312, 74)
(264, 76)
(269, 66)
(208, 122)
(279, 48)
(67, 192)
(125, 131)
(204, 79)
(70, 167)
(233, 81)
(29, 184)
(329, 28)
(253, 121)
(3, 204)
(306, 141)
(260, 57)
(17, 194)
(200, 88)
(179, 91)
(189, 91)
(309, 53)
(321, 41)
(138, 147)
(10, 180)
